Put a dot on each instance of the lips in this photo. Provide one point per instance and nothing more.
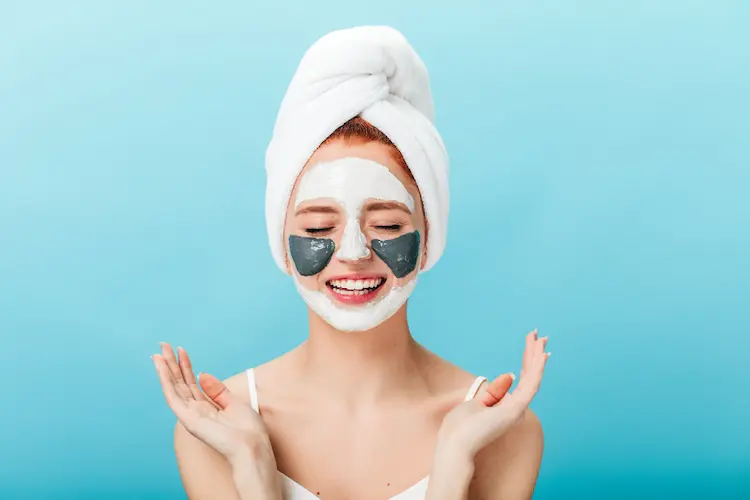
(355, 289)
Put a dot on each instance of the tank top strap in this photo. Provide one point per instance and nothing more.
(252, 389)
(475, 388)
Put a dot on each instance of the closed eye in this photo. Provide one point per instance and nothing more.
(318, 230)
(392, 227)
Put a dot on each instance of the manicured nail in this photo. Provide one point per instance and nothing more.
(549, 354)
(512, 376)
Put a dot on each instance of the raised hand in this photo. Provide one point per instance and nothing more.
(214, 415)
(474, 424)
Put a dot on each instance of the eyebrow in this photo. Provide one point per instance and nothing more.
(386, 205)
(320, 209)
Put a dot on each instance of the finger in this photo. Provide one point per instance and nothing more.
(529, 383)
(174, 399)
(186, 368)
(543, 342)
(542, 356)
(497, 389)
(216, 390)
(531, 339)
(174, 368)
(168, 354)
(186, 415)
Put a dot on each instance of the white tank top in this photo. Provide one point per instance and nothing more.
(292, 490)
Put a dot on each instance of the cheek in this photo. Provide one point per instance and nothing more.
(400, 254)
(310, 255)
(309, 283)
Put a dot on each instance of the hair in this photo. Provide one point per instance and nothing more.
(360, 130)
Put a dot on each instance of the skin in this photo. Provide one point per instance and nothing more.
(387, 410)
(376, 222)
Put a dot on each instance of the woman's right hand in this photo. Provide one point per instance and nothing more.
(214, 415)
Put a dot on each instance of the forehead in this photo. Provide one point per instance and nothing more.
(339, 150)
(351, 181)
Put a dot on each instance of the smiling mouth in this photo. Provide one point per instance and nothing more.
(356, 291)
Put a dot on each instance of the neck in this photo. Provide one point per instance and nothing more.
(361, 367)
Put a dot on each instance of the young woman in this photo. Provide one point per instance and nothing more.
(356, 209)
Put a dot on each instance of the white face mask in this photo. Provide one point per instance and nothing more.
(351, 182)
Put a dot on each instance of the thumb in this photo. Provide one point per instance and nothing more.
(497, 389)
(215, 390)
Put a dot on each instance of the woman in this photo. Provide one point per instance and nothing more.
(356, 209)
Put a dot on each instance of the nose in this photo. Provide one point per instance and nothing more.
(353, 246)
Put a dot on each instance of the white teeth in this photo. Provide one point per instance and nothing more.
(351, 292)
(356, 285)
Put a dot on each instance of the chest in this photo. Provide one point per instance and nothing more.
(336, 455)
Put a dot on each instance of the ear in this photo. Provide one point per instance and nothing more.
(423, 259)
(287, 263)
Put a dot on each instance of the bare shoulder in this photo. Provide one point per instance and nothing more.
(205, 473)
(446, 375)
(237, 384)
(507, 469)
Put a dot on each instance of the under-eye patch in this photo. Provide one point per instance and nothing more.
(400, 254)
(310, 255)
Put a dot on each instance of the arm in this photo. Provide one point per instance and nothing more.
(222, 446)
(496, 436)
(507, 469)
(207, 475)
(450, 476)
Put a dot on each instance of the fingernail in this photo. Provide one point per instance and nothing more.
(549, 354)
(512, 376)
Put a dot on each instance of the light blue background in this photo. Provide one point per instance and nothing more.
(600, 191)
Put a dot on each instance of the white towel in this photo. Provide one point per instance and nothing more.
(371, 71)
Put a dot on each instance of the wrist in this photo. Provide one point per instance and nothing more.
(451, 474)
(452, 450)
(257, 451)
(254, 472)
(253, 483)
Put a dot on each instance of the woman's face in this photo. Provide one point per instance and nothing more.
(354, 234)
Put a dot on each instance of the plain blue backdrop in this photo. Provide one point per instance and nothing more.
(600, 191)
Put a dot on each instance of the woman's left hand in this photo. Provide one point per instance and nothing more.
(474, 424)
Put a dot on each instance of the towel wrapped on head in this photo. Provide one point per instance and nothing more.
(372, 72)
